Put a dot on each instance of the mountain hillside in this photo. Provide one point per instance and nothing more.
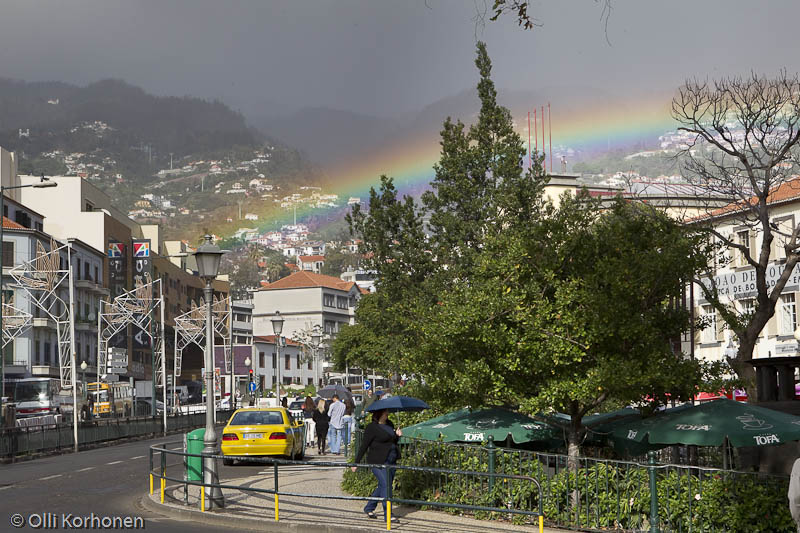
(181, 125)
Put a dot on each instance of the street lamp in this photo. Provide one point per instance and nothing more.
(731, 351)
(41, 184)
(316, 337)
(247, 362)
(277, 329)
(208, 257)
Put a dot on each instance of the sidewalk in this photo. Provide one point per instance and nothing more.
(257, 511)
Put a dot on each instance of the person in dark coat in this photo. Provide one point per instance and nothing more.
(321, 421)
(380, 446)
(308, 419)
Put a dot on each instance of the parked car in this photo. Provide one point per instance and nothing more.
(296, 408)
(258, 431)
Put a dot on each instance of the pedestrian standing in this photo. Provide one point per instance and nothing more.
(380, 446)
(321, 420)
(336, 414)
(308, 419)
(369, 400)
(347, 419)
(794, 493)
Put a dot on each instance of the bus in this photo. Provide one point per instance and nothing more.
(111, 399)
(42, 396)
(37, 396)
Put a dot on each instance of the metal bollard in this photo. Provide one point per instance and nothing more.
(389, 480)
(163, 474)
(203, 486)
(150, 459)
(275, 465)
(492, 452)
(651, 460)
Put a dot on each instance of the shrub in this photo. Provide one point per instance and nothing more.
(608, 495)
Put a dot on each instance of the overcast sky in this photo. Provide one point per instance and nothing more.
(381, 57)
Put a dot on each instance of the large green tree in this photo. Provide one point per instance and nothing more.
(492, 295)
(567, 313)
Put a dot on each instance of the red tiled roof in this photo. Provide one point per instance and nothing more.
(293, 267)
(308, 258)
(788, 190)
(270, 339)
(305, 279)
(10, 224)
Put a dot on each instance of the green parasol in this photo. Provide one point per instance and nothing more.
(709, 424)
(476, 426)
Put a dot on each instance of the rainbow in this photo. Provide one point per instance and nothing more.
(410, 161)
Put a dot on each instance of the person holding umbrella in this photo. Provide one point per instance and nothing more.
(380, 446)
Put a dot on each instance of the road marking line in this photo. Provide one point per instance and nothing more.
(85, 469)
(114, 463)
(138, 457)
(8, 487)
(49, 477)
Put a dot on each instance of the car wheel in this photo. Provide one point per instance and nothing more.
(227, 462)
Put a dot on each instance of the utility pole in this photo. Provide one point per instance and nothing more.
(170, 160)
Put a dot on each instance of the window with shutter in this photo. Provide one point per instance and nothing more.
(787, 314)
(8, 253)
(709, 334)
(742, 239)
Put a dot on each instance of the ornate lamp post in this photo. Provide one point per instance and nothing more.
(277, 328)
(208, 257)
(247, 362)
(316, 337)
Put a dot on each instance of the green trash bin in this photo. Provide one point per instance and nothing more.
(194, 445)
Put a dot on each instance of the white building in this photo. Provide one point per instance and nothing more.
(296, 366)
(777, 353)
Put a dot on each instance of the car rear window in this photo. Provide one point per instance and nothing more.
(254, 418)
(297, 406)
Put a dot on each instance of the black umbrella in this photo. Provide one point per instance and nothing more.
(328, 391)
(399, 403)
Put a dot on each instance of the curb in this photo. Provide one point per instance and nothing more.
(231, 521)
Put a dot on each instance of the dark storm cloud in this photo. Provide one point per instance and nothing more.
(381, 57)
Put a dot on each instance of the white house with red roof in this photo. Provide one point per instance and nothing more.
(305, 299)
(314, 263)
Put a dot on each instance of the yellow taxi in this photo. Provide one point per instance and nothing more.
(255, 431)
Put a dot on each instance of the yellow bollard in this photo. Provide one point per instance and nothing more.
(202, 499)
(276, 508)
(388, 516)
(151, 483)
(163, 486)
(541, 524)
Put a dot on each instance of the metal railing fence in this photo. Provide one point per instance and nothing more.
(602, 494)
(495, 493)
(51, 437)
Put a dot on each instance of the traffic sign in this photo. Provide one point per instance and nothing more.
(117, 370)
(111, 378)
(367, 384)
(252, 386)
